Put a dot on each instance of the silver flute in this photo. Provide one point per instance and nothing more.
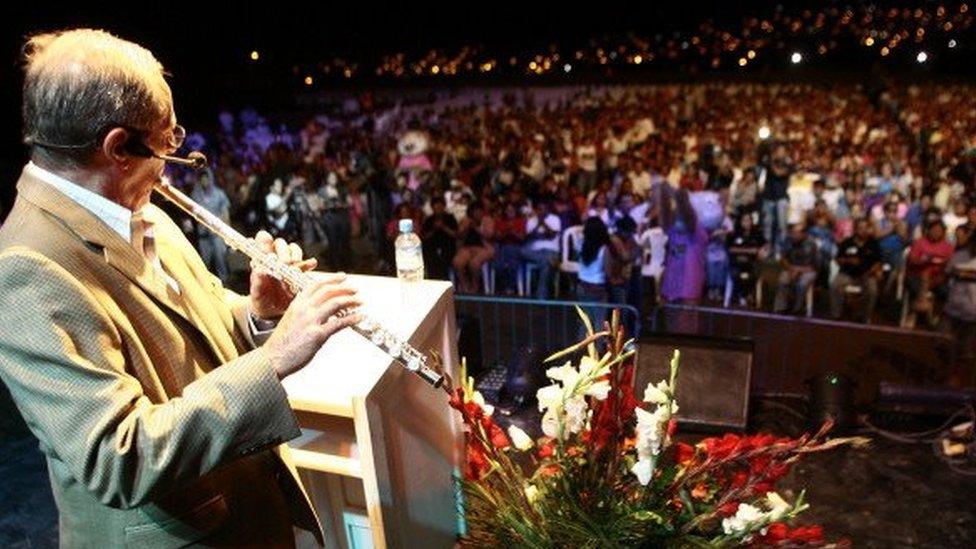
(402, 352)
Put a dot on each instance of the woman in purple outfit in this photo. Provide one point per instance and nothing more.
(684, 264)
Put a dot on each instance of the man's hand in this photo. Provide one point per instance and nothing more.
(309, 322)
(269, 296)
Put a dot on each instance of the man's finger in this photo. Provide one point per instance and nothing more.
(335, 305)
(295, 252)
(337, 323)
(281, 249)
(264, 240)
(308, 265)
(325, 293)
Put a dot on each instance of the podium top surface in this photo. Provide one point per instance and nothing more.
(348, 365)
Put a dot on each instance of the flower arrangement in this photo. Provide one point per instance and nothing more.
(607, 471)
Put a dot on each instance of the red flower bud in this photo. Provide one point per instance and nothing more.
(807, 534)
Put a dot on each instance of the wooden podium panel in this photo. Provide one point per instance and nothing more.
(380, 447)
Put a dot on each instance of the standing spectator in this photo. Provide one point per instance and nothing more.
(440, 240)
(509, 236)
(859, 258)
(592, 285)
(960, 310)
(475, 233)
(621, 265)
(542, 245)
(892, 239)
(775, 200)
(684, 265)
(212, 248)
(926, 276)
(799, 270)
(820, 229)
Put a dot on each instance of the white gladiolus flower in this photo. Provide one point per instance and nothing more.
(565, 373)
(599, 390)
(531, 493)
(644, 469)
(549, 397)
(550, 423)
(588, 365)
(742, 522)
(650, 434)
(520, 439)
(778, 506)
(576, 411)
(658, 394)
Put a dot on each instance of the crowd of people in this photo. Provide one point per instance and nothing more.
(867, 196)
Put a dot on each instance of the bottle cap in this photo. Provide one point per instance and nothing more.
(406, 225)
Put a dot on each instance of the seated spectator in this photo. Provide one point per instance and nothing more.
(915, 217)
(859, 259)
(926, 276)
(957, 215)
(509, 237)
(745, 246)
(820, 229)
(542, 230)
(892, 239)
(440, 240)
(799, 263)
(475, 233)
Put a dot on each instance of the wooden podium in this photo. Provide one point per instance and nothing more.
(380, 449)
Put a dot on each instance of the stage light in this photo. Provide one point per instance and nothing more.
(796, 57)
(435, 69)
(869, 41)
(764, 132)
(952, 43)
(922, 57)
(533, 65)
(884, 51)
(751, 54)
(742, 61)
(567, 67)
(308, 80)
(637, 60)
(255, 55)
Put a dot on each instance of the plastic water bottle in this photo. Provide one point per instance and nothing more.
(409, 253)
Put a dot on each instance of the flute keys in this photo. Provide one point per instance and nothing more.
(377, 338)
(413, 363)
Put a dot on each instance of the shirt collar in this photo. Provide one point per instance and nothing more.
(116, 216)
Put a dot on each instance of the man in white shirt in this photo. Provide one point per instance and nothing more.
(541, 249)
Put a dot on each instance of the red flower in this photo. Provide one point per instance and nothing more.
(728, 509)
(739, 479)
(776, 532)
(547, 448)
(476, 463)
(672, 427)
(721, 448)
(683, 453)
(498, 437)
(807, 534)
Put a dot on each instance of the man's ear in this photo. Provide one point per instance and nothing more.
(114, 146)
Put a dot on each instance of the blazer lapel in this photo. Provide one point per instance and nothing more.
(118, 253)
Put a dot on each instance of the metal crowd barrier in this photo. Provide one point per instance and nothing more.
(505, 328)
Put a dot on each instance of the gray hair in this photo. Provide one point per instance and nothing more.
(79, 82)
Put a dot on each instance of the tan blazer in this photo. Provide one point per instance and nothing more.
(160, 421)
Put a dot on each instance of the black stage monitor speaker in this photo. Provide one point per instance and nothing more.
(713, 379)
